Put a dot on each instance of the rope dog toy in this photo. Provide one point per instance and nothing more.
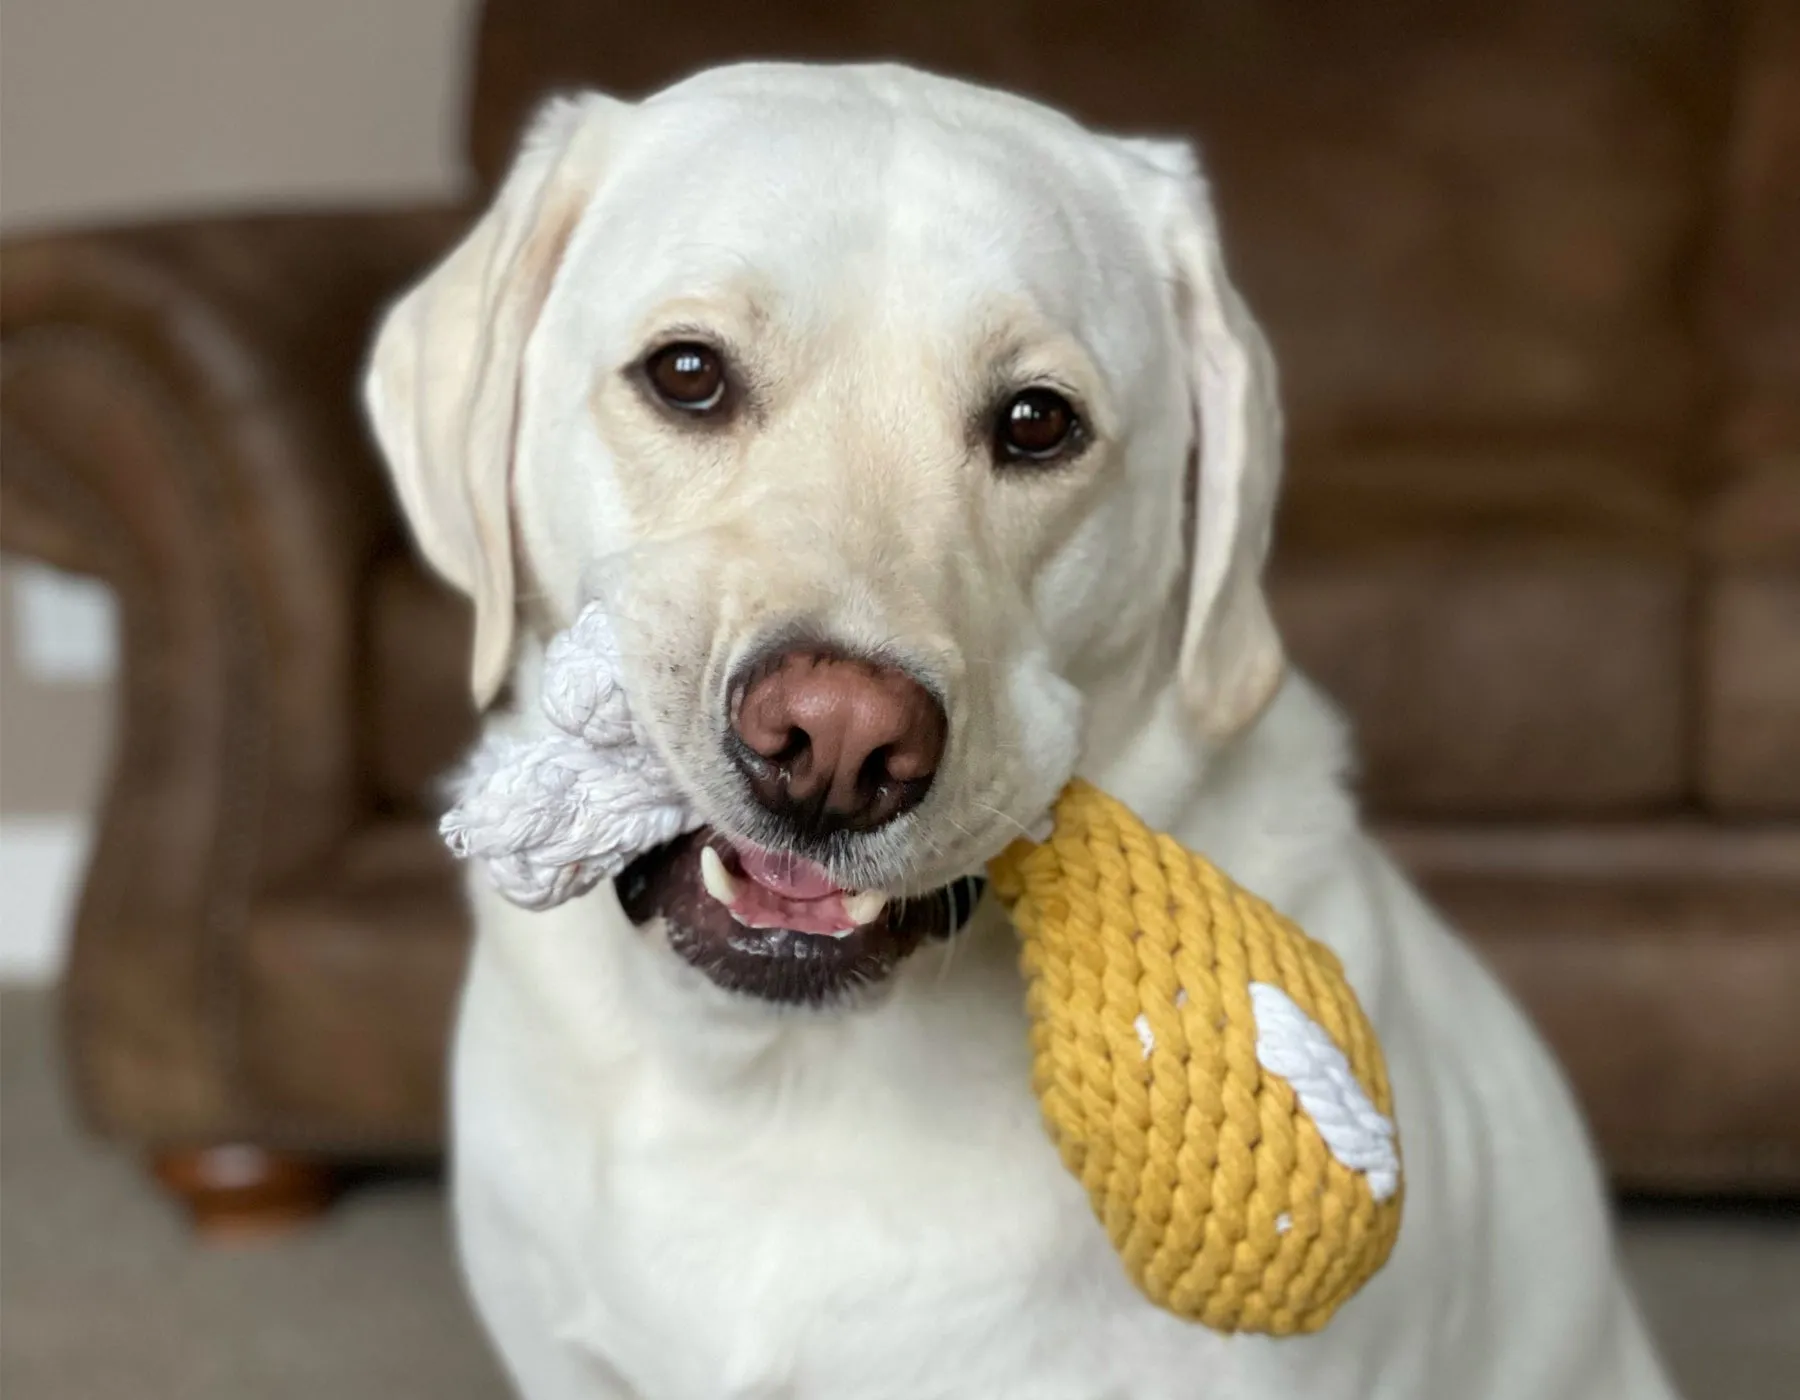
(1205, 1070)
(1203, 1066)
(553, 815)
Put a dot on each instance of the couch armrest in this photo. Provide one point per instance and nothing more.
(180, 418)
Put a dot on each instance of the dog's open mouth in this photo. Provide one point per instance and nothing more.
(776, 926)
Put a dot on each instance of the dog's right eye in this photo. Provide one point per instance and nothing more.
(1037, 426)
(688, 376)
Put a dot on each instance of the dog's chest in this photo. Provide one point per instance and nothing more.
(817, 1254)
(871, 1213)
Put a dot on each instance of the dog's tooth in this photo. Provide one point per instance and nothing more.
(865, 906)
(716, 877)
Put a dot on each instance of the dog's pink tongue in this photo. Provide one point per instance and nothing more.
(786, 874)
(782, 890)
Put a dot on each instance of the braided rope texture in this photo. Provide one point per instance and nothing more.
(1224, 1202)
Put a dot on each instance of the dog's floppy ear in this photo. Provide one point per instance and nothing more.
(1231, 660)
(442, 386)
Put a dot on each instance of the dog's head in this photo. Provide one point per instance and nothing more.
(896, 422)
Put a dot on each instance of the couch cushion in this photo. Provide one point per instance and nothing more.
(1753, 286)
(1749, 642)
(1749, 638)
(1507, 630)
(1660, 963)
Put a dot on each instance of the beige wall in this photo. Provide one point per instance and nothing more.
(119, 109)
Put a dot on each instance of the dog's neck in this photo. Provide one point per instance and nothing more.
(1267, 806)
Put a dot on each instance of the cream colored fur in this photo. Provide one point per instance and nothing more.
(667, 1192)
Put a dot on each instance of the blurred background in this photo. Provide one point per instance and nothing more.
(1532, 271)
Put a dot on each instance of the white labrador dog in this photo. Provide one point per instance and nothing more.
(924, 454)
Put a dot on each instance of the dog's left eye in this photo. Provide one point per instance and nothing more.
(687, 376)
(1036, 425)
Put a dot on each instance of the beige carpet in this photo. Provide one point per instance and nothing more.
(103, 1298)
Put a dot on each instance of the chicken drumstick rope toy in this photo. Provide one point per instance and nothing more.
(1202, 1065)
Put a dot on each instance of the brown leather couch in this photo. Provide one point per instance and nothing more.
(1533, 272)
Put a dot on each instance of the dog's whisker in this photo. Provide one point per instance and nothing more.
(945, 962)
(1006, 818)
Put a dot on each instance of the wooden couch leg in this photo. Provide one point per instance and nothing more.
(237, 1193)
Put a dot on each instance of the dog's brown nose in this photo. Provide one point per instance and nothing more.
(830, 742)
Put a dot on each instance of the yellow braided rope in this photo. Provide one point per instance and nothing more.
(1213, 1183)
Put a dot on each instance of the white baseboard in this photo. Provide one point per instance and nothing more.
(42, 860)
